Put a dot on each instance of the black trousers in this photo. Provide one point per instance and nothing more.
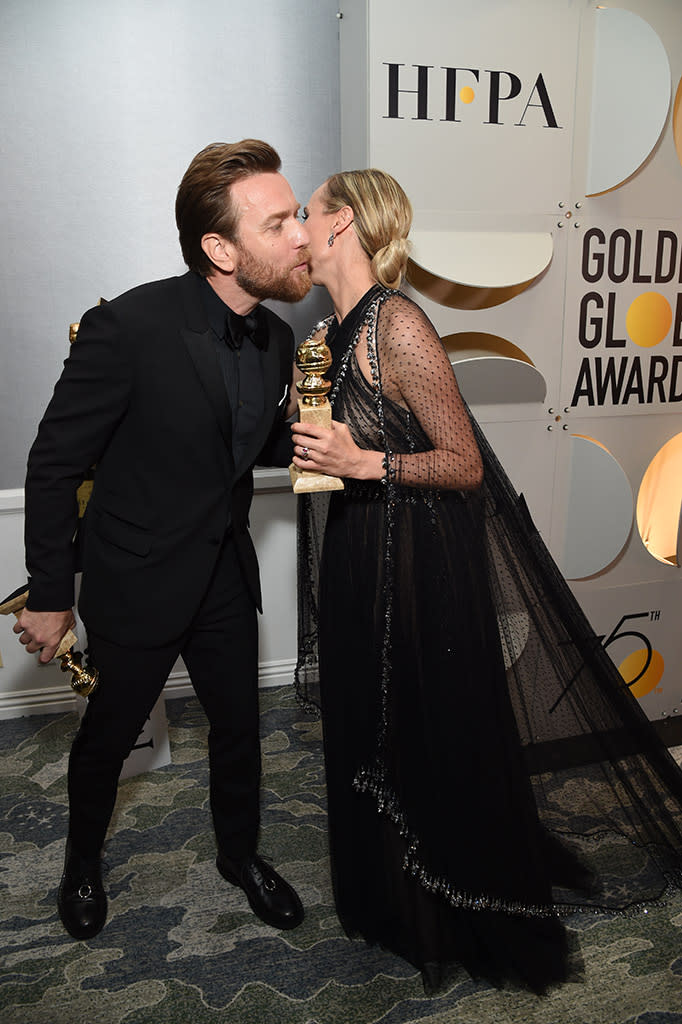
(220, 651)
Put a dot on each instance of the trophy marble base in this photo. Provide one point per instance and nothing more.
(305, 481)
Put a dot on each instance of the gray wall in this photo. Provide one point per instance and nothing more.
(103, 107)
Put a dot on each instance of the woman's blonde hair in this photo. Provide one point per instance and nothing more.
(383, 215)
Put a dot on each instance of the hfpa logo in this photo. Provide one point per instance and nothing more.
(498, 86)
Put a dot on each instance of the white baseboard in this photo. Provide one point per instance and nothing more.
(61, 699)
(270, 673)
(46, 701)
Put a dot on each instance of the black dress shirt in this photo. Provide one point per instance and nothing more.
(241, 368)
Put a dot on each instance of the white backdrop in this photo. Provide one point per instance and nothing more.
(103, 107)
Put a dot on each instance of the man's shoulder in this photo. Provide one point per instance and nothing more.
(153, 291)
(152, 304)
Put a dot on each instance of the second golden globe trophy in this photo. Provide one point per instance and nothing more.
(313, 359)
(83, 679)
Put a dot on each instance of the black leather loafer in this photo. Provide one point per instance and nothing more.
(271, 898)
(81, 900)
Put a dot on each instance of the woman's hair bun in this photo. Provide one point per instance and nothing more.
(390, 263)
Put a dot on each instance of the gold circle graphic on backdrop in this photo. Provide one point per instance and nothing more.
(476, 269)
(659, 503)
(649, 319)
(631, 667)
(492, 370)
(677, 121)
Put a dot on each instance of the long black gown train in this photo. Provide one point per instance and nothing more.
(488, 771)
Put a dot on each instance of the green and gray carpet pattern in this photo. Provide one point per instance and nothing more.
(182, 947)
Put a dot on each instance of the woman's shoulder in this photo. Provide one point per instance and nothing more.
(399, 315)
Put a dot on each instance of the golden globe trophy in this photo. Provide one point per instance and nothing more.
(313, 359)
(83, 680)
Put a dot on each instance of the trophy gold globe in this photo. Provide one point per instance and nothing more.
(83, 679)
(313, 359)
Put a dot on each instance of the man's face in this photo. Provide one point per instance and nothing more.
(272, 244)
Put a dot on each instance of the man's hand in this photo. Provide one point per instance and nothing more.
(43, 631)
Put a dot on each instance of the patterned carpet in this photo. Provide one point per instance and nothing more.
(182, 947)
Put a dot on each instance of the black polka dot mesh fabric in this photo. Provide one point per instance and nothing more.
(416, 374)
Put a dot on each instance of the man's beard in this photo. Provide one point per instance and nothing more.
(263, 281)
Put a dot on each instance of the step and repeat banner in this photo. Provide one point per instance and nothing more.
(540, 143)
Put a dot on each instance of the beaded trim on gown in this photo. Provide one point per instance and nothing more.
(488, 771)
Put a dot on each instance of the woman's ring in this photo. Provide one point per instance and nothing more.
(305, 454)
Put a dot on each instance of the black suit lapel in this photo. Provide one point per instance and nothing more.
(198, 340)
(202, 352)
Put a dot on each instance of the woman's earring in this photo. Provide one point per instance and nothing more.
(330, 240)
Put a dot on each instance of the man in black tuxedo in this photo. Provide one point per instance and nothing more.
(174, 390)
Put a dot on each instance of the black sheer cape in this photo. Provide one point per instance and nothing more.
(488, 769)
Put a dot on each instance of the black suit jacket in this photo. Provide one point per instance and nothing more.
(142, 396)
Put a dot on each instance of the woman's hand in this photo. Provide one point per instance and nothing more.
(334, 452)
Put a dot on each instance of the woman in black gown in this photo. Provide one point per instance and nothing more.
(488, 772)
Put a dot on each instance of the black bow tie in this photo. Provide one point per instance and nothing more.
(239, 327)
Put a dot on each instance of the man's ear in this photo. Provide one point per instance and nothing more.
(219, 251)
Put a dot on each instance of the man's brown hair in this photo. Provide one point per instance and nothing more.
(204, 203)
